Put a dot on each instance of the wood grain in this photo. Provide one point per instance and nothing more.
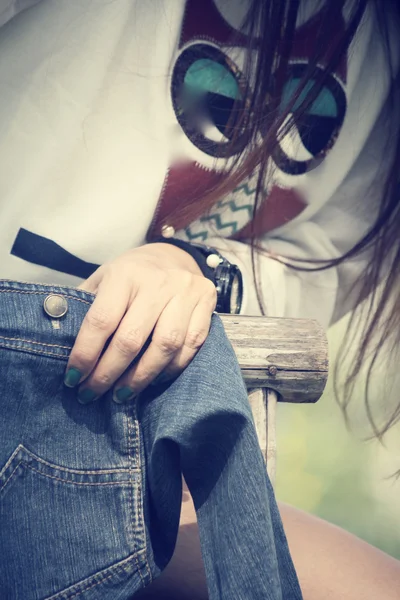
(289, 356)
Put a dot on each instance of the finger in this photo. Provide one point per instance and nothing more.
(168, 338)
(127, 342)
(197, 333)
(99, 324)
(91, 284)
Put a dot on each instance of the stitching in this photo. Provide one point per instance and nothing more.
(44, 294)
(87, 483)
(140, 490)
(8, 339)
(11, 459)
(10, 476)
(12, 282)
(27, 349)
(69, 481)
(135, 558)
(77, 471)
(131, 468)
(89, 586)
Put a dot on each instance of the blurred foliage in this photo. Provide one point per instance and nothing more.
(332, 472)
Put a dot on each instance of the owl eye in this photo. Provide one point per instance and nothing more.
(207, 94)
(211, 87)
(313, 133)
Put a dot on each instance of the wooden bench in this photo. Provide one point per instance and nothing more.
(281, 360)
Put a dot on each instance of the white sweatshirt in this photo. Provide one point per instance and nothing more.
(91, 133)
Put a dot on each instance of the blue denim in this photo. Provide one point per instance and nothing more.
(90, 496)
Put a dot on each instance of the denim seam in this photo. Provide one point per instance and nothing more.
(75, 471)
(24, 463)
(131, 459)
(14, 339)
(136, 516)
(34, 350)
(69, 482)
(45, 294)
(21, 448)
(140, 490)
(85, 587)
(66, 481)
(10, 477)
(12, 457)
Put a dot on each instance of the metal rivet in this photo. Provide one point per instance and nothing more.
(272, 370)
(167, 231)
(55, 306)
(213, 260)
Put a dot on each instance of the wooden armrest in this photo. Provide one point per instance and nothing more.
(289, 356)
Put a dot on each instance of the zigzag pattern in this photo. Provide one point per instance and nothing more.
(233, 206)
(244, 187)
(202, 236)
(217, 217)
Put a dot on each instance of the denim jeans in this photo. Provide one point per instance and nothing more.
(90, 496)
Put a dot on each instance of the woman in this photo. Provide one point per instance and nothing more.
(266, 132)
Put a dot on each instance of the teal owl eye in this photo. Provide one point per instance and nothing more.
(207, 94)
(207, 76)
(324, 105)
(314, 132)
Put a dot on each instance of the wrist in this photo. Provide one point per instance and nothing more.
(226, 277)
(175, 255)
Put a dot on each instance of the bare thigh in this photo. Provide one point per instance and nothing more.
(184, 578)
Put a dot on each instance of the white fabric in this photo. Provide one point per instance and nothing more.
(87, 133)
(11, 8)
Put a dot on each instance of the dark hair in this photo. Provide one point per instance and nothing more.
(270, 25)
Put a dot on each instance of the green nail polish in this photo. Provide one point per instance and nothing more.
(86, 396)
(72, 377)
(123, 395)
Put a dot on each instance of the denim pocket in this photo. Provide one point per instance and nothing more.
(65, 528)
(23, 462)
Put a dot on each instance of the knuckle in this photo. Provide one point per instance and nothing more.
(195, 338)
(141, 377)
(101, 381)
(160, 279)
(98, 319)
(170, 341)
(83, 358)
(129, 342)
(185, 279)
(209, 290)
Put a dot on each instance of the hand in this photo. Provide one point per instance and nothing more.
(154, 293)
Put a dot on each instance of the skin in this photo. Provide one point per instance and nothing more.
(155, 291)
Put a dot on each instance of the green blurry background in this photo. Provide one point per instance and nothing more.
(327, 470)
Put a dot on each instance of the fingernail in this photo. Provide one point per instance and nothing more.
(86, 396)
(123, 395)
(72, 377)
